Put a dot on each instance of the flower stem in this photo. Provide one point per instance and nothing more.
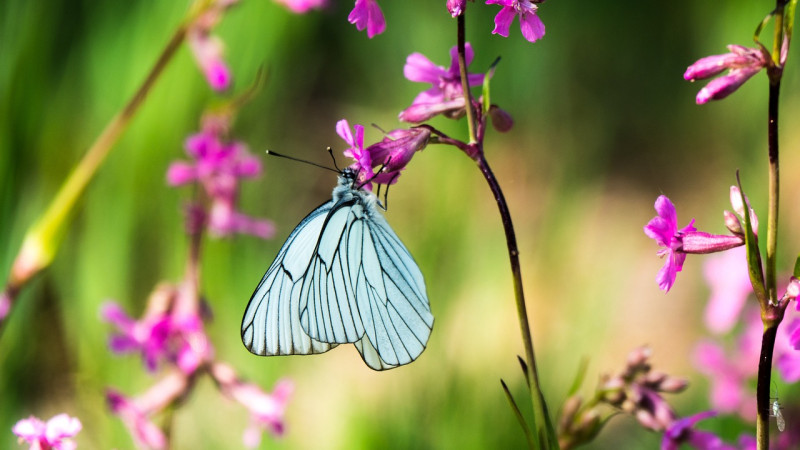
(763, 386)
(541, 418)
(774, 190)
(772, 312)
(42, 239)
(462, 66)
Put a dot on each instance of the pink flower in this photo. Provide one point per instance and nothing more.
(530, 24)
(677, 243)
(208, 49)
(218, 165)
(729, 378)
(742, 63)
(682, 431)
(140, 426)
(208, 52)
(303, 6)
(355, 139)
(664, 229)
(148, 336)
(727, 276)
(267, 410)
(367, 14)
(394, 152)
(446, 95)
(178, 338)
(55, 434)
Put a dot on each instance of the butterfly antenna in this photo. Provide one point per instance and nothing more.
(333, 158)
(270, 152)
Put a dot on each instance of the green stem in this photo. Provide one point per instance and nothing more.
(43, 238)
(462, 66)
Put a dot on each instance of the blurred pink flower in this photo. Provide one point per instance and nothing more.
(178, 338)
(727, 276)
(266, 410)
(682, 431)
(136, 420)
(742, 63)
(446, 95)
(303, 6)
(367, 14)
(729, 378)
(218, 165)
(530, 24)
(208, 49)
(55, 434)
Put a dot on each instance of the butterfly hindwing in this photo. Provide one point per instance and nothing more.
(271, 323)
(363, 283)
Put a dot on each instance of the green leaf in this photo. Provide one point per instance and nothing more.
(524, 367)
(753, 254)
(796, 272)
(761, 26)
(487, 102)
(788, 19)
(579, 377)
(530, 436)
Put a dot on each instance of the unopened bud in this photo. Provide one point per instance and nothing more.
(733, 223)
(673, 385)
(571, 407)
(501, 119)
(647, 420)
(639, 356)
(793, 289)
(456, 7)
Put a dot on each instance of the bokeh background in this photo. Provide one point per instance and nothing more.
(604, 124)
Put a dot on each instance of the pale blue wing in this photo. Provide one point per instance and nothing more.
(328, 306)
(364, 287)
(271, 322)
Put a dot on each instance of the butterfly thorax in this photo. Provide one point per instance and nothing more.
(347, 189)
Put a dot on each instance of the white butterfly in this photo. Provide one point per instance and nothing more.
(343, 276)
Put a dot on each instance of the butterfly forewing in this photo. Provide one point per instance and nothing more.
(271, 323)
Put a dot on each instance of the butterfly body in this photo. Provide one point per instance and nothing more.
(343, 276)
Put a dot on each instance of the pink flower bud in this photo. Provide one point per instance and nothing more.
(456, 7)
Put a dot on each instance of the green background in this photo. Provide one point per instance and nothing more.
(604, 124)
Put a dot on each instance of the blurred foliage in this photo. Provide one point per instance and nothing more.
(604, 123)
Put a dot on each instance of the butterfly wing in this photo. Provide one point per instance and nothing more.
(271, 322)
(364, 287)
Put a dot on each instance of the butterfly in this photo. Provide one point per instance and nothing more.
(342, 276)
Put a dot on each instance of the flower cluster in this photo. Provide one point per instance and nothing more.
(171, 333)
(390, 155)
(741, 62)
(166, 333)
(677, 243)
(637, 391)
(55, 434)
(217, 165)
